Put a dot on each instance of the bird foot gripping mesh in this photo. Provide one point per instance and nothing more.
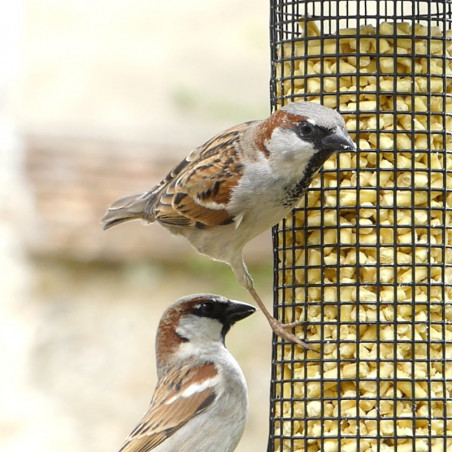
(366, 259)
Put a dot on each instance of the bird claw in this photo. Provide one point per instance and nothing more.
(280, 329)
(289, 326)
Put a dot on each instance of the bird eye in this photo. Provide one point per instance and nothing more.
(306, 128)
(207, 308)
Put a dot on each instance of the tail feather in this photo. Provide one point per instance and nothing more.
(128, 208)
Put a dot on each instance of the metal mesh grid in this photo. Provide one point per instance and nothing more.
(366, 259)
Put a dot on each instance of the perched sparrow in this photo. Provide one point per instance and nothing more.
(200, 402)
(240, 183)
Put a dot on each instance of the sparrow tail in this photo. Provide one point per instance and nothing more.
(128, 208)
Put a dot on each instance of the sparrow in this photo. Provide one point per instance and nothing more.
(240, 183)
(200, 403)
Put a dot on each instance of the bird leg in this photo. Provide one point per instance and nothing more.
(281, 329)
(277, 326)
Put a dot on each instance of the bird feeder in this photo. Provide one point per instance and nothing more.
(365, 260)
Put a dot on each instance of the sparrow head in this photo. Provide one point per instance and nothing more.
(195, 322)
(301, 132)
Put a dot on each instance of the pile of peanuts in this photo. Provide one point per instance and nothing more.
(370, 243)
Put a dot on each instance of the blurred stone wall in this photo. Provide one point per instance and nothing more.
(73, 180)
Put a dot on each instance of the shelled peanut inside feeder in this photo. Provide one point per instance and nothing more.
(371, 246)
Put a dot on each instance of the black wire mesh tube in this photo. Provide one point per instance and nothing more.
(366, 260)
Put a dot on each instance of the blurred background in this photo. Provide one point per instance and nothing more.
(99, 99)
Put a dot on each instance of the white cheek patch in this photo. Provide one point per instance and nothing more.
(281, 140)
(287, 146)
(197, 330)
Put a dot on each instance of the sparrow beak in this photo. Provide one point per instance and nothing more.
(236, 310)
(338, 141)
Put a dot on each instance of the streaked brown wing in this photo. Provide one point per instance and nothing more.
(197, 191)
(170, 409)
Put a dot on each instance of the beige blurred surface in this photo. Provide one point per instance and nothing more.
(100, 99)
